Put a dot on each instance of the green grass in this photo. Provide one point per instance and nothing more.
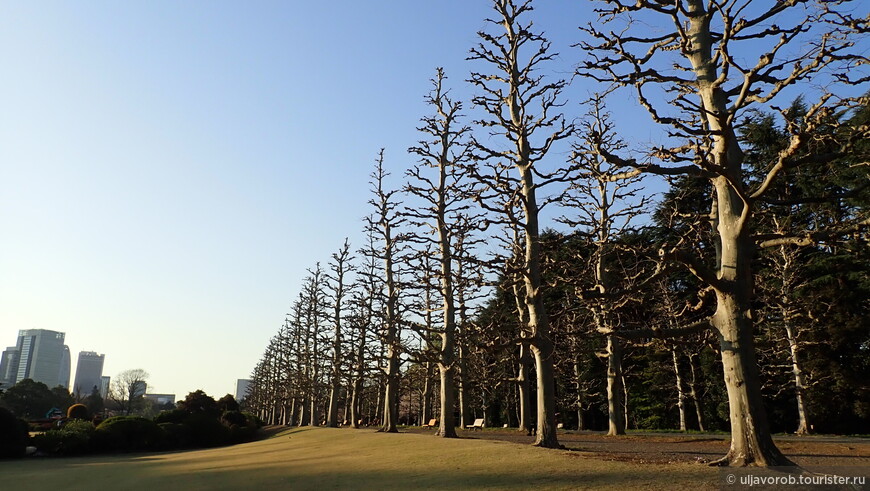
(327, 458)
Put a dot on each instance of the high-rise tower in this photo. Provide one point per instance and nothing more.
(41, 357)
(89, 373)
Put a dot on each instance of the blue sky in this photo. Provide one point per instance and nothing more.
(169, 170)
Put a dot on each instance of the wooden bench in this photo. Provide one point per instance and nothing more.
(477, 425)
(431, 424)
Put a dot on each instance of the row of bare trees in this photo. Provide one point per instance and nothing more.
(467, 223)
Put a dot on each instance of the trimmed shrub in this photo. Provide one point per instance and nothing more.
(79, 426)
(13, 435)
(78, 411)
(254, 420)
(230, 418)
(207, 431)
(127, 434)
(73, 439)
(171, 416)
(241, 428)
(176, 435)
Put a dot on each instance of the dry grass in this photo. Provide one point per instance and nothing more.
(324, 458)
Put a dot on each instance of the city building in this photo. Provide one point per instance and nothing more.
(242, 385)
(39, 355)
(139, 388)
(64, 374)
(8, 367)
(89, 374)
(161, 399)
(105, 380)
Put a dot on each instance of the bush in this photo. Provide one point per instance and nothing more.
(171, 416)
(79, 426)
(230, 418)
(78, 411)
(13, 435)
(255, 420)
(228, 403)
(241, 427)
(127, 434)
(176, 435)
(200, 402)
(73, 439)
(207, 431)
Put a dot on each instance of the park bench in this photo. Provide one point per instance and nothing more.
(477, 425)
(431, 424)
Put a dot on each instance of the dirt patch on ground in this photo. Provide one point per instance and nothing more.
(666, 448)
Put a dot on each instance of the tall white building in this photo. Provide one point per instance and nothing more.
(40, 354)
(89, 374)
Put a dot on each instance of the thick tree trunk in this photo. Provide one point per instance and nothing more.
(332, 408)
(546, 431)
(751, 441)
(524, 388)
(391, 392)
(304, 414)
(355, 402)
(615, 404)
(693, 394)
(447, 429)
(315, 420)
(681, 395)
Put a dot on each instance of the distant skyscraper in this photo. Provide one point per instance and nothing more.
(63, 375)
(9, 366)
(242, 385)
(104, 386)
(89, 374)
(40, 357)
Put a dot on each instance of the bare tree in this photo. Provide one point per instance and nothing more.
(128, 389)
(510, 95)
(384, 224)
(340, 267)
(443, 152)
(694, 66)
(364, 306)
(606, 201)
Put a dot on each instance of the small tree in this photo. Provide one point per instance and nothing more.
(128, 389)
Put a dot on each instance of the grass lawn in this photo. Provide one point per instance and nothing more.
(326, 458)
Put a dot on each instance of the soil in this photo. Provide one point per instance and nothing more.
(657, 448)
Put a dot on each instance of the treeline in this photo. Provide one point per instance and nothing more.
(751, 269)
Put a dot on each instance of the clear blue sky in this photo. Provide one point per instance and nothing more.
(168, 170)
